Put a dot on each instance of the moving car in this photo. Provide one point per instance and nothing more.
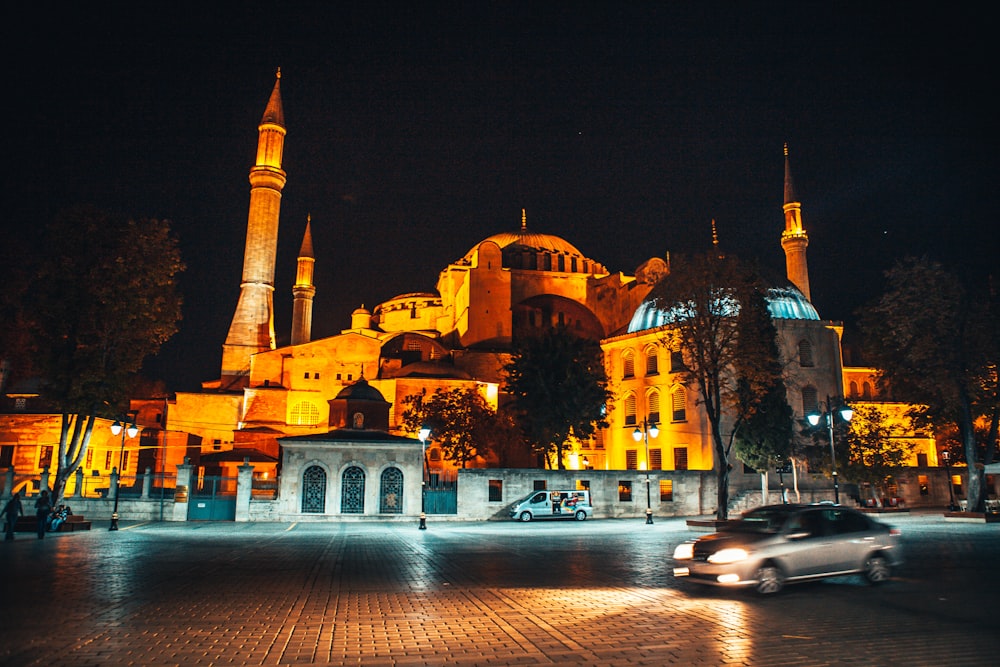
(573, 504)
(777, 544)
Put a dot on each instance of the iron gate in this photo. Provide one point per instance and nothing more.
(213, 499)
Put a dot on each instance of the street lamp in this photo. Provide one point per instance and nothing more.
(814, 418)
(946, 455)
(648, 431)
(131, 430)
(425, 433)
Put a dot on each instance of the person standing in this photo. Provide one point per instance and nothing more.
(43, 508)
(12, 511)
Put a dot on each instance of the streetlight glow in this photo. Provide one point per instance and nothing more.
(648, 430)
(131, 431)
(846, 413)
(423, 434)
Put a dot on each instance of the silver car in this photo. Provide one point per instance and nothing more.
(771, 546)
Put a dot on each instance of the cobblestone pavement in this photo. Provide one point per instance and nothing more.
(494, 593)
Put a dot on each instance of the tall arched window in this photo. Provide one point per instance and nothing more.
(653, 407)
(853, 391)
(806, 354)
(391, 492)
(652, 361)
(314, 490)
(810, 400)
(630, 410)
(678, 405)
(866, 390)
(352, 491)
(304, 413)
(628, 364)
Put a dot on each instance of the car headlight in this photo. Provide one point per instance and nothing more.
(684, 551)
(728, 556)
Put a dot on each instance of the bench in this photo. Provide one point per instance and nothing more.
(29, 524)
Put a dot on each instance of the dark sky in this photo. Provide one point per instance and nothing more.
(415, 130)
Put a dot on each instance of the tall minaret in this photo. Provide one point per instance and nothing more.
(303, 291)
(794, 239)
(252, 329)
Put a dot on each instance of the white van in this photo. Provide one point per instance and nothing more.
(558, 504)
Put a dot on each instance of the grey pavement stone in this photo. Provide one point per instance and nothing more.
(464, 594)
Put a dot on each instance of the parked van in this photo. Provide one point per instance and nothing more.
(573, 504)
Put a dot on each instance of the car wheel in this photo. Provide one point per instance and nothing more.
(581, 515)
(770, 580)
(876, 570)
(525, 516)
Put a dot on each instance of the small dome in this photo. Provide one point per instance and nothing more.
(360, 391)
(784, 303)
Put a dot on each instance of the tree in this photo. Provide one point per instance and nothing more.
(103, 300)
(762, 432)
(702, 297)
(560, 389)
(872, 453)
(454, 416)
(935, 341)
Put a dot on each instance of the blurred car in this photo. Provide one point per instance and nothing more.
(777, 544)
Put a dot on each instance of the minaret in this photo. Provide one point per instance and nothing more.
(252, 329)
(794, 239)
(303, 291)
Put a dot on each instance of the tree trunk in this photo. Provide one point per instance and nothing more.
(966, 430)
(763, 488)
(722, 470)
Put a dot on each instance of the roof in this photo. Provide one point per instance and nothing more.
(350, 435)
(238, 455)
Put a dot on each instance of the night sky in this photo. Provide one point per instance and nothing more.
(414, 132)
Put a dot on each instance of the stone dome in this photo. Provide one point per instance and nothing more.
(535, 251)
(360, 391)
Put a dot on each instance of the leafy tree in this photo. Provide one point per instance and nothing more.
(872, 454)
(559, 387)
(935, 341)
(762, 432)
(500, 435)
(104, 299)
(703, 296)
(455, 417)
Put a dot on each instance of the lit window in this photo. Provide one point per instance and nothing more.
(653, 407)
(666, 490)
(631, 459)
(630, 410)
(678, 405)
(624, 491)
(304, 413)
(628, 364)
(652, 362)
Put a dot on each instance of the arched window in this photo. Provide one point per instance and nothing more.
(304, 413)
(628, 364)
(653, 407)
(853, 390)
(652, 362)
(866, 390)
(806, 354)
(678, 404)
(630, 410)
(314, 490)
(391, 493)
(676, 360)
(810, 400)
(352, 491)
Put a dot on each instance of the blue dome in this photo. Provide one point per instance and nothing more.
(784, 303)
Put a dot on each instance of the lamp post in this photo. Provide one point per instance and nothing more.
(946, 455)
(814, 418)
(131, 430)
(648, 430)
(423, 435)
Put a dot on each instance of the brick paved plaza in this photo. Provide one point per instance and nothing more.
(492, 593)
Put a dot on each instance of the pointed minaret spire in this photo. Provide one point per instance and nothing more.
(252, 328)
(794, 239)
(524, 221)
(303, 291)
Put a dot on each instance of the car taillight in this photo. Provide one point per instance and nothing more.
(895, 532)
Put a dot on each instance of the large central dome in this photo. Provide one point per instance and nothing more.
(532, 241)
